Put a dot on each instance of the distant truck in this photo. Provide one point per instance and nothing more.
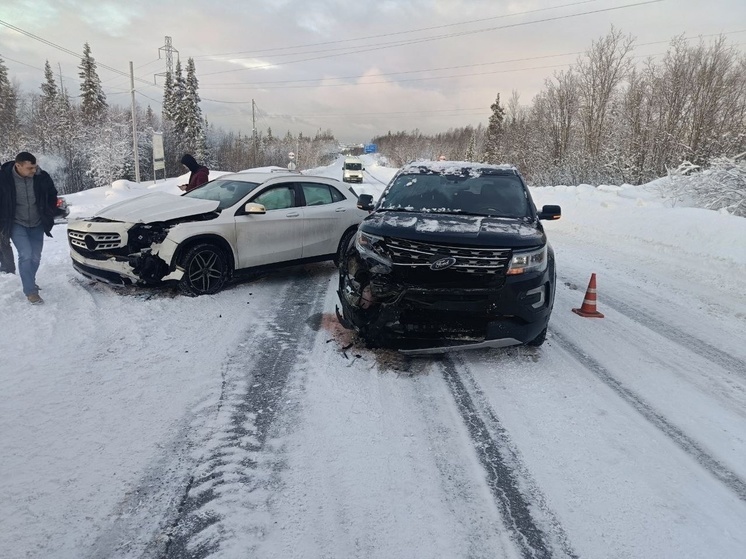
(352, 170)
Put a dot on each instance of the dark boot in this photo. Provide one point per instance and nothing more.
(7, 262)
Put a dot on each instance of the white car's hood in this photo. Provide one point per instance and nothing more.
(157, 206)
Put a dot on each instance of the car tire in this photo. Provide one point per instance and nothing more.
(344, 244)
(205, 270)
(538, 340)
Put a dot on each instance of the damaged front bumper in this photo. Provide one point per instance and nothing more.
(143, 267)
(433, 316)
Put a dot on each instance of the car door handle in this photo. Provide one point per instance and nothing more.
(341, 210)
(292, 214)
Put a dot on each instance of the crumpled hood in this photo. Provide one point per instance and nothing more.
(453, 228)
(157, 206)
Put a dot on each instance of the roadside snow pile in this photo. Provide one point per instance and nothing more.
(722, 187)
(619, 214)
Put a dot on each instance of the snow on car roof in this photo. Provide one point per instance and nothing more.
(453, 167)
(263, 176)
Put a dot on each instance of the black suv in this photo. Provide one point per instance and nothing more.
(453, 256)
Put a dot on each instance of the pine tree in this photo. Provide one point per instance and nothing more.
(179, 88)
(169, 105)
(194, 135)
(494, 133)
(8, 114)
(93, 100)
(471, 149)
(49, 87)
(47, 119)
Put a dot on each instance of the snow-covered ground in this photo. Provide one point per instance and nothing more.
(139, 423)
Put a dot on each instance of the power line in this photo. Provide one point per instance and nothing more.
(439, 37)
(525, 59)
(481, 20)
(65, 50)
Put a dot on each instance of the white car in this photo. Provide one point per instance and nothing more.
(238, 222)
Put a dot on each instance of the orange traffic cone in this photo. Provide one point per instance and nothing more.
(588, 308)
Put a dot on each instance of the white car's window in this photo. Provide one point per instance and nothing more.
(277, 197)
(318, 194)
(226, 192)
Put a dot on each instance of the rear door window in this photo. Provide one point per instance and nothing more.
(318, 194)
(277, 197)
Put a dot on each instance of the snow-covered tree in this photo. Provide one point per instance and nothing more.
(169, 101)
(92, 98)
(9, 129)
(494, 133)
(193, 132)
(471, 149)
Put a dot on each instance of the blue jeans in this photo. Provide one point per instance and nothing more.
(28, 242)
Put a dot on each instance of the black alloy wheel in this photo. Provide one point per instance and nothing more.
(205, 270)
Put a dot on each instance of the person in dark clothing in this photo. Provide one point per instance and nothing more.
(7, 260)
(200, 174)
(28, 206)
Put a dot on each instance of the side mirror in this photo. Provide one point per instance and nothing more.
(550, 212)
(252, 208)
(365, 202)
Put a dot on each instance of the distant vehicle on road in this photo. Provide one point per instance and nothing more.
(239, 222)
(352, 169)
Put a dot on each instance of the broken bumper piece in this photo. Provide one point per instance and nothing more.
(504, 342)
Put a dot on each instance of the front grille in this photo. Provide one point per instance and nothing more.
(470, 260)
(94, 241)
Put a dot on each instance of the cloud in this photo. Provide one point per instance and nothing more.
(112, 18)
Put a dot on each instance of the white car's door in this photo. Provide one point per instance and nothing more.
(325, 218)
(276, 236)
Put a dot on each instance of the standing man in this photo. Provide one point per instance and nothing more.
(28, 206)
(200, 174)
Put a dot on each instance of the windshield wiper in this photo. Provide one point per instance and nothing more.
(397, 210)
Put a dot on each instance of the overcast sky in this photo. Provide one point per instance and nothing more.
(359, 68)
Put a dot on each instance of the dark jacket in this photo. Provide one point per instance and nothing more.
(46, 198)
(200, 174)
(198, 178)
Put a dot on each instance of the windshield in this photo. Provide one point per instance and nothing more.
(489, 195)
(227, 192)
(353, 166)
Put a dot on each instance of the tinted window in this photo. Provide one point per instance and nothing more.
(277, 197)
(337, 196)
(353, 166)
(317, 194)
(224, 191)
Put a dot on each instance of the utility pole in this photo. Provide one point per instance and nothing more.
(62, 85)
(134, 126)
(253, 132)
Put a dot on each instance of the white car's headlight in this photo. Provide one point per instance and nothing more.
(528, 261)
(373, 247)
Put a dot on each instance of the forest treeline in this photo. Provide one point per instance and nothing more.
(609, 118)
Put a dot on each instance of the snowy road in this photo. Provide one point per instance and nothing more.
(139, 424)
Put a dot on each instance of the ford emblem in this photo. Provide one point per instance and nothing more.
(443, 263)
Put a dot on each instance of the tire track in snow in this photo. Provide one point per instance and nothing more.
(534, 528)
(703, 349)
(729, 478)
(225, 502)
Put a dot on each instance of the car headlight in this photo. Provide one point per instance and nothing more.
(373, 247)
(528, 261)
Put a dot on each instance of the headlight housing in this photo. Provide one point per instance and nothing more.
(524, 262)
(372, 246)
